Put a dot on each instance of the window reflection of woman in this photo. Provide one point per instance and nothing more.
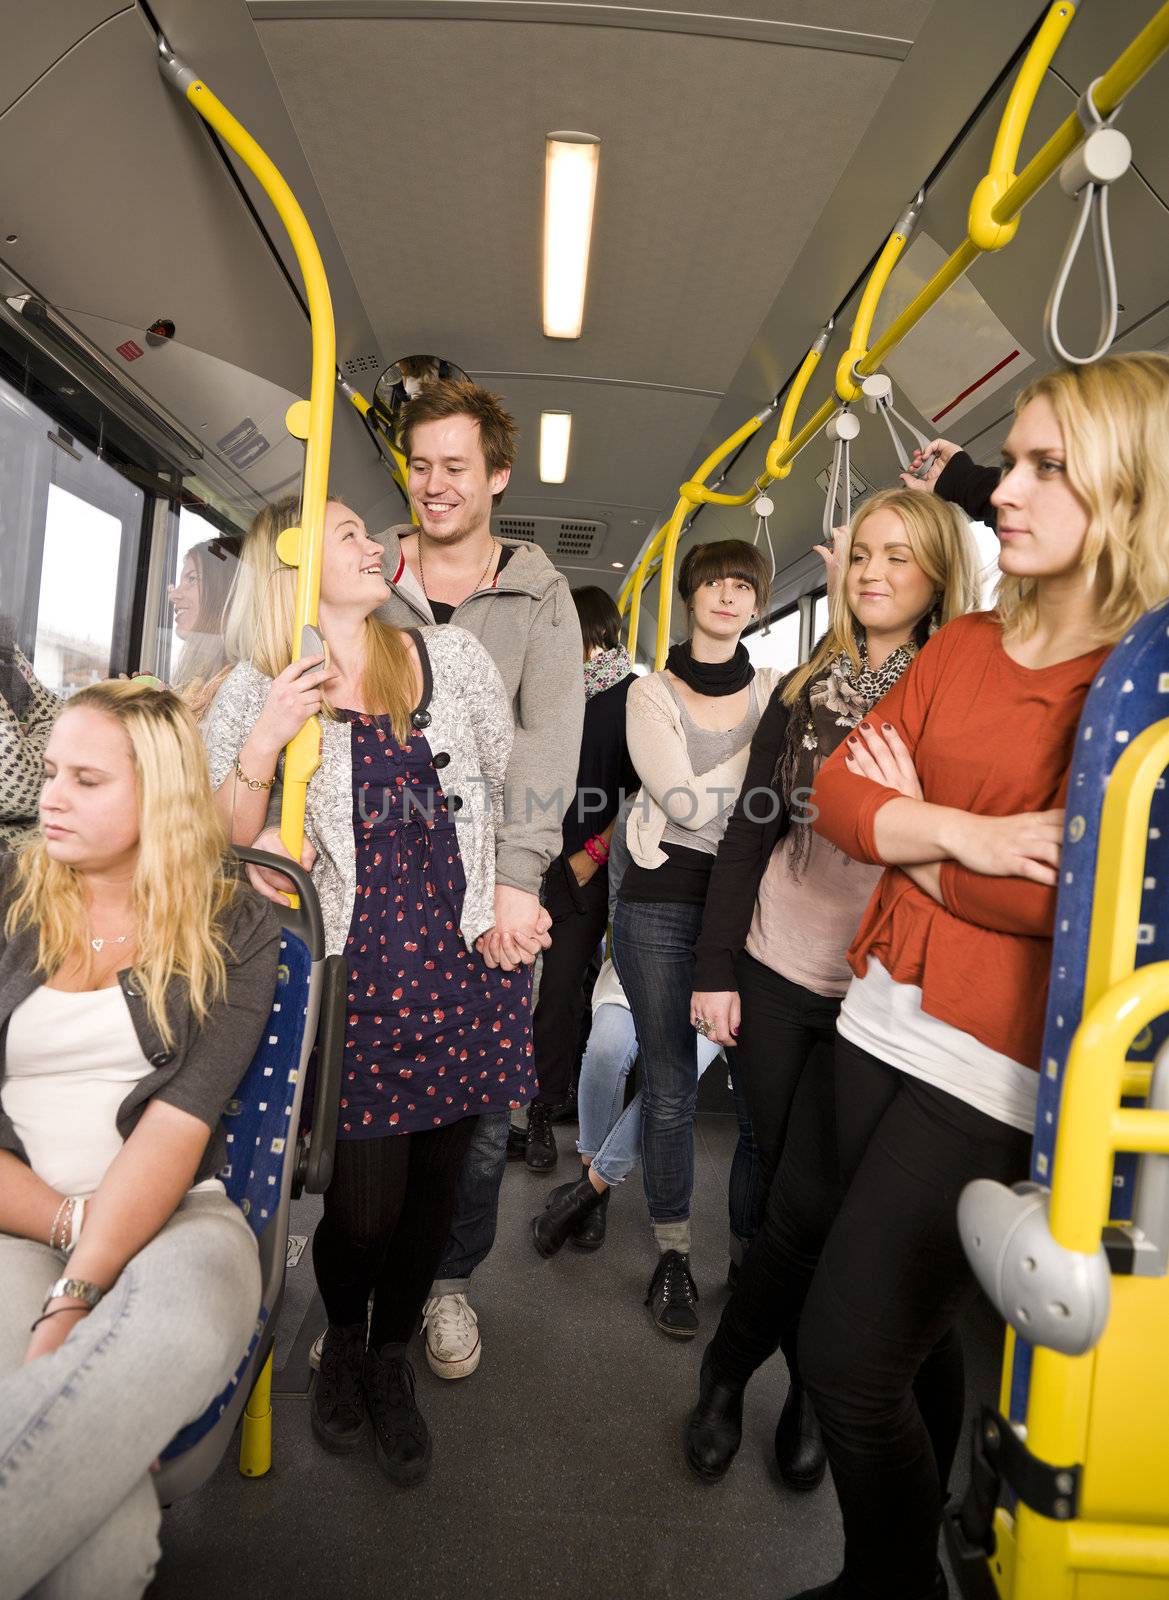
(198, 600)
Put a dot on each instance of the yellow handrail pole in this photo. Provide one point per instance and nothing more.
(360, 404)
(299, 547)
(847, 387)
(694, 493)
(642, 575)
(791, 404)
(1125, 72)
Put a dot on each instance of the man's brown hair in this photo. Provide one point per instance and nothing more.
(450, 397)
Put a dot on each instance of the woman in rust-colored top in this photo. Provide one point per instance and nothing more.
(956, 785)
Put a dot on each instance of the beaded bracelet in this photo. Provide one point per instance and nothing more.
(597, 850)
(62, 1229)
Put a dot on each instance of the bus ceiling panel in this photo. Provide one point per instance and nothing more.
(865, 27)
(122, 208)
(36, 35)
(717, 157)
(624, 442)
(961, 50)
(219, 41)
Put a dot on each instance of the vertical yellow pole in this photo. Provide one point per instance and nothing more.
(255, 1446)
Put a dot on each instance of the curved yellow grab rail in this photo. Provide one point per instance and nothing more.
(791, 404)
(311, 421)
(847, 387)
(398, 461)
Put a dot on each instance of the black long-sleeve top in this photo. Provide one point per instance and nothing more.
(965, 484)
(605, 774)
(742, 857)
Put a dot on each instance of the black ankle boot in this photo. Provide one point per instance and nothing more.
(799, 1445)
(589, 1233)
(401, 1437)
(338, 1408)
(540, 1152)
(838, 1589)
(671, 1296)
(568, 1206)
(715, 1427)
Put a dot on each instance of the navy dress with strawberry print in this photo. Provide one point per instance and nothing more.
(433, 1033)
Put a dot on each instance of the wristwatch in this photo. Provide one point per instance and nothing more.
(74, 1289)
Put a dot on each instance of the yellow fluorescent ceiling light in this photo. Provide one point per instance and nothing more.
(555, 432)
(570, 188)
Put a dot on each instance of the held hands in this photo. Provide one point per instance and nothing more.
(942, 451)
(274, 885)
(721, 1014)
(520, 931)
(293, 698)
(880, 754)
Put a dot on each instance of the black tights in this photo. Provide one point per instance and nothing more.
(876, 1303)
(388, 1212)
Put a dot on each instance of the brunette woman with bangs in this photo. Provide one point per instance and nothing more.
(688, 730)
(956, 789)
(136, 976)
(781, 910)
(400, 829)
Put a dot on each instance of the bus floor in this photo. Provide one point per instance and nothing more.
(558, 1466)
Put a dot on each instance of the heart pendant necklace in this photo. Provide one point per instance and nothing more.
(98, 943)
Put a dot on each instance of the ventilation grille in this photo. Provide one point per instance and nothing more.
(573, 541)
(860, 485)
(358, 364)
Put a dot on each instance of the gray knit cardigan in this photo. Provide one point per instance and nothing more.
(470, 721)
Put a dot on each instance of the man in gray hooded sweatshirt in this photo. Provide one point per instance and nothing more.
(459, 445)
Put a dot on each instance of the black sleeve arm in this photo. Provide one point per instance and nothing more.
(757, 823)
(967, 485)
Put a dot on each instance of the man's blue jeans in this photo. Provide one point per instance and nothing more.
(476, 1205)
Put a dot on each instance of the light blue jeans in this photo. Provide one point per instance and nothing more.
(79, 1429)
(610, 1135)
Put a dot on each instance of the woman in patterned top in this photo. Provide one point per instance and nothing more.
(400, 837)
(781, 910)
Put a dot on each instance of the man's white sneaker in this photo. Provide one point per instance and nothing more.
(453, 1346)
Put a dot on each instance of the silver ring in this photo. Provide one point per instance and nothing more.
(702, 1027)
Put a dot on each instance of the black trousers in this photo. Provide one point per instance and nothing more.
(388, 1211)
(578, 917)
(877, 1312)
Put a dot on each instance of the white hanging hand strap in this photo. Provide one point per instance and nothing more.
(1104, 156)
(763, 507)
(878, 393)
(842, 430)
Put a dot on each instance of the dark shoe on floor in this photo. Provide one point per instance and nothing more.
(715, 1428)
(338, 1407)
(568, 1207)
(565, 1111)
(799, 1445)
(540, 1153)
(400, 1435)
(517, 1142)
(671, 1296)
(589, 1233)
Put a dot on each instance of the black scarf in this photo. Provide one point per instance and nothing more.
(828, 707)
(713, 678)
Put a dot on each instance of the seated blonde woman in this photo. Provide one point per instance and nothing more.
(136, 976)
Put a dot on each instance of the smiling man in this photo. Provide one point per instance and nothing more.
(459, 445)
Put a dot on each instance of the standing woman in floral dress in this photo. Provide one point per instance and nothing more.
(400, 838)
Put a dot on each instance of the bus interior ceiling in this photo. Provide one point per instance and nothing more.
(753, 162)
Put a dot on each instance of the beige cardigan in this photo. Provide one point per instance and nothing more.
(671, 791)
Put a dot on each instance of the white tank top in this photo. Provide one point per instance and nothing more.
(69, 1062)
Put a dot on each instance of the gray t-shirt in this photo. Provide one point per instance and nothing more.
(707, 748)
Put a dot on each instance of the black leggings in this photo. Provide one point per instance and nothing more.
(388, 1212)
(877, 1307)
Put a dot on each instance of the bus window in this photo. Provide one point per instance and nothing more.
(779, 646)
(192, 657)
(69, 534)
(819, 618)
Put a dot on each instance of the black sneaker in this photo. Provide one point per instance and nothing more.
(541, 1153)
(400, 1435)
(338, 1407)
(671, 1296)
